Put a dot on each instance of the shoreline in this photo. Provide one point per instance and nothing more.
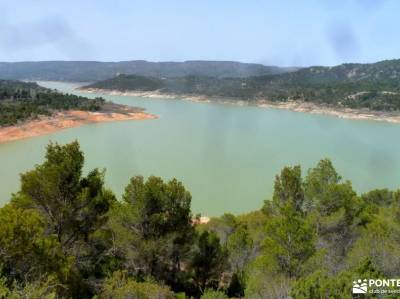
(295, 106)
(69, 119)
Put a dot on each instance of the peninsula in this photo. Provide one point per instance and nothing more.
(28, 110)
(358, 91)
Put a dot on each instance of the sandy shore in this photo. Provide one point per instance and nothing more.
(297, 106)
(67, 119)
(347, 113)
(146, 94)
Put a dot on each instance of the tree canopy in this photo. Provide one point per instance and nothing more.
(65, 235)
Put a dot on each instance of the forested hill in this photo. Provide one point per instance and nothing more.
(86, 71)
(20, 101)
(375, 86)
(346, 73)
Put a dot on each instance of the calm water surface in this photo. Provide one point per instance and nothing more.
(227, 156)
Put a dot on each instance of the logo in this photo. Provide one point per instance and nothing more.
(376, 286)
(360, 286)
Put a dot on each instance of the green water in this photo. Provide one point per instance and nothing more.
(227, 156)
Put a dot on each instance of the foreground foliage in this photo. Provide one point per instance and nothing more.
(64, 235)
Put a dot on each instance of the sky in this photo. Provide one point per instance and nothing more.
(281, 32)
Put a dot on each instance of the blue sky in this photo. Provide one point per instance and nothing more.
(284, 32)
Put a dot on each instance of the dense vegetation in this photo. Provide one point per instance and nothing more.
(65, 235)
(373, 86)
(87, 71)
(20, 101)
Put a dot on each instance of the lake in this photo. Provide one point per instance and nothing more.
(227, 156)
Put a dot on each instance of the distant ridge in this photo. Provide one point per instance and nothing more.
(86, 71)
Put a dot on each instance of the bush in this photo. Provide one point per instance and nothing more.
(212, 294)
(120, 286)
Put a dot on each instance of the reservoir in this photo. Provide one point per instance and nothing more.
(227, 156)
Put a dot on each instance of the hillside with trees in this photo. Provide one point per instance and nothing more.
(20, 101)
(65, 235)
(87, 71)
(373, 86)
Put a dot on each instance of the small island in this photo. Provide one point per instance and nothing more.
(28, 110)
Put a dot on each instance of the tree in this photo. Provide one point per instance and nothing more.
(158, 208)
(240, 249)
(209, 261)
(153, 231)
(396, 205)
(73, 206)
(239, 246)
(289, 236)
(223, 226)
(379, 197)
(379, 242)
(26, 252)
(321, 285)
(290, 241)
(324, 192)
(212, 294)
(236, 285)
(318, 182)
(120, 286)
(288, 188)
(265, 283)
(334, 209)
(36, 289)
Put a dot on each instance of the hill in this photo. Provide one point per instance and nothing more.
(374, 86)
(21, 101)
(86, 71)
